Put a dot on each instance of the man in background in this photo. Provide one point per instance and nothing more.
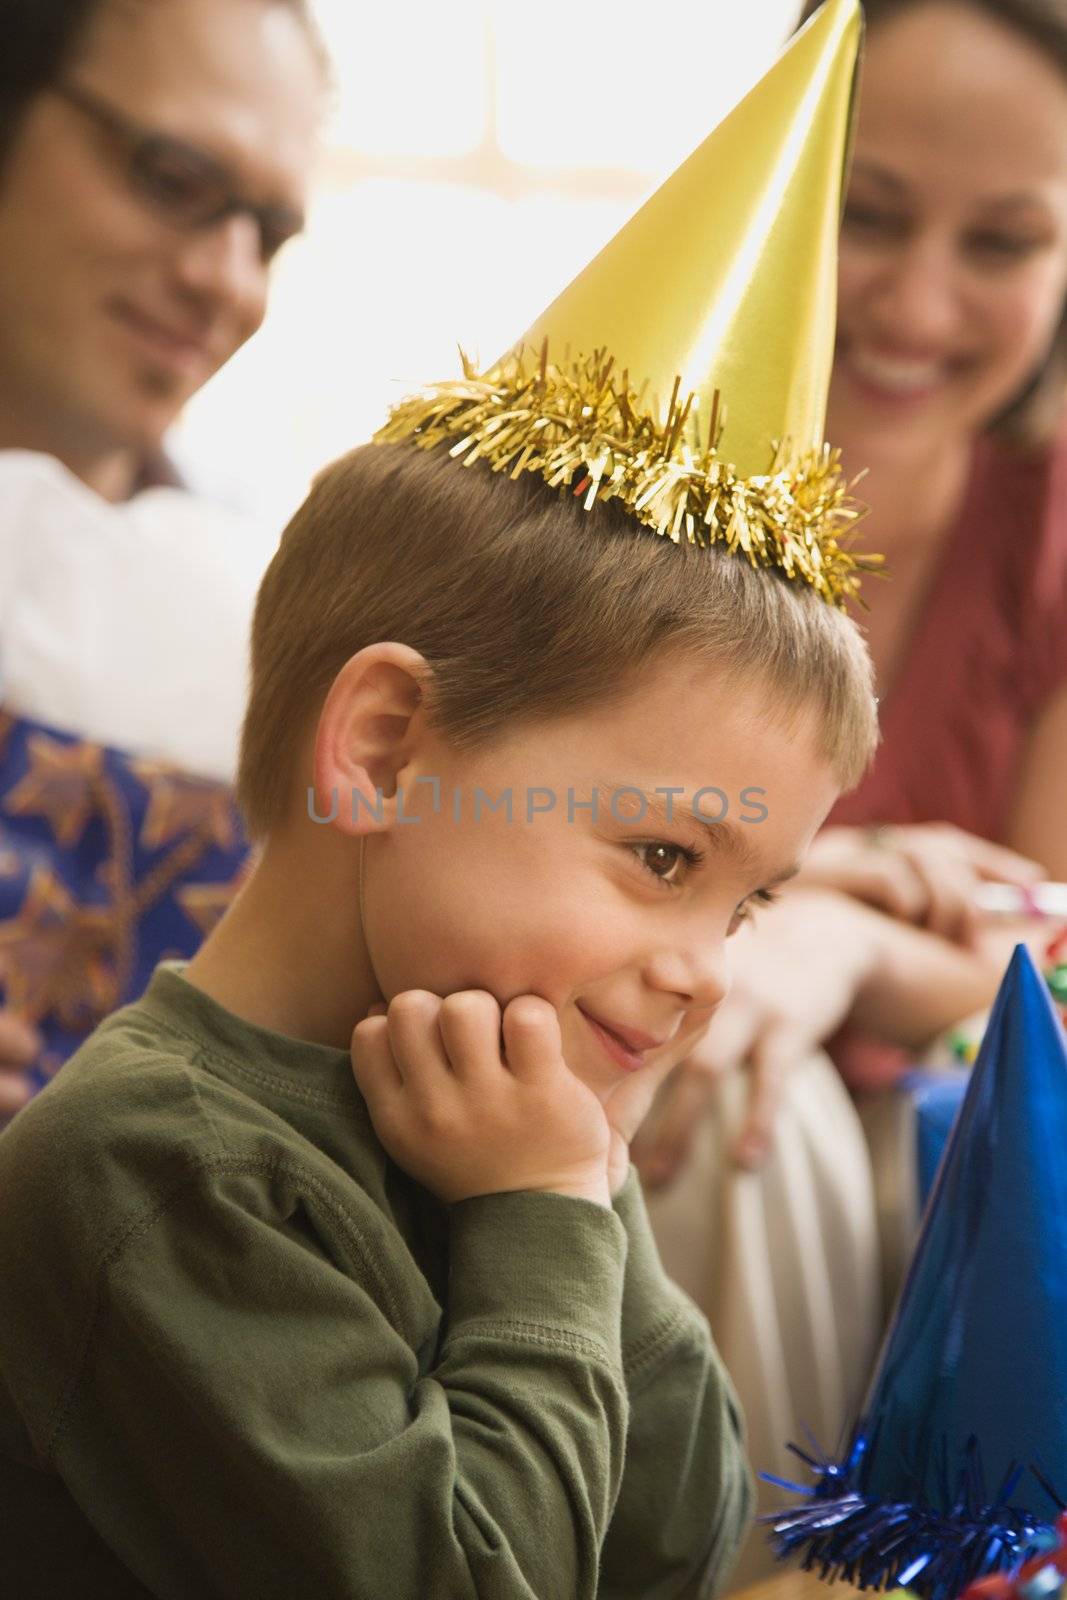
(154, 159)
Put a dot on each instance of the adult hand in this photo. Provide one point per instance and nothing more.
(795, 976)
(923, 873)
(20, 1045)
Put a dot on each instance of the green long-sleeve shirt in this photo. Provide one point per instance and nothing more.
(242, 1355)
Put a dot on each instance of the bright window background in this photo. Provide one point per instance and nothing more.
(478, 153)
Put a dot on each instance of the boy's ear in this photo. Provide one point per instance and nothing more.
(364, 737)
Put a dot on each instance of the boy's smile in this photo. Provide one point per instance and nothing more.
(628, 1046)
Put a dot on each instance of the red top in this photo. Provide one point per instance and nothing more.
(988, 650)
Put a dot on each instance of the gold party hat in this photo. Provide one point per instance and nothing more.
(685, 371)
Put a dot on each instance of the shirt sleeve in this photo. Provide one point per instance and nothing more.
(686, 1498)
(250, 1418)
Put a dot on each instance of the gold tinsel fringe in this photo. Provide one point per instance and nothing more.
(583, 432)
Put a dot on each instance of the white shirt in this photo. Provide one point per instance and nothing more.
(126, 624)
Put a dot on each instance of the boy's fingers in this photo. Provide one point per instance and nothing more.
(415, 1038)
(470, 1029)
(531, 1035)
(373, 1065)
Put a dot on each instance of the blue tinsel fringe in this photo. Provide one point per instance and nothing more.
(876, 1544)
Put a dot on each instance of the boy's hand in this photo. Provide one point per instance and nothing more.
(466, 1117)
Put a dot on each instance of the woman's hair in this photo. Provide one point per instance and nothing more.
(526, 607)
(42, 37)
(1035, 414)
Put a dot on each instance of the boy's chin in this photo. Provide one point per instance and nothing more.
(640, 1082)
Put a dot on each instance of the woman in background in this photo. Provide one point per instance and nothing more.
(948, 389)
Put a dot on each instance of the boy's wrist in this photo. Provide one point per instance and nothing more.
(618, 1165)
(599, 1193)
(520, 1256)
(654, 1310)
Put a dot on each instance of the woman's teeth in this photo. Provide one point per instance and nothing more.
(896, 374)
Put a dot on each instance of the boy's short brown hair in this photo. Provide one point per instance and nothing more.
(526, 606)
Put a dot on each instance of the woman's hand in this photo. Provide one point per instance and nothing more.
(923, 873)
(795, 977)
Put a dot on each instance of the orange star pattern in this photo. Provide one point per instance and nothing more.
(62, 785)
(52, 956)
(179, 805)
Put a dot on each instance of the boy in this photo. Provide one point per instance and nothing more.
(275, 1363)
(279, 1319)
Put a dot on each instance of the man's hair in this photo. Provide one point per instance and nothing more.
(1033, 416)
(526, 607)
(42, 37)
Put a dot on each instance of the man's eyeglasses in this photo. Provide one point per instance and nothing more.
(181, 184)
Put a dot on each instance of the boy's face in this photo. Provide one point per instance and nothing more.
(620, 923)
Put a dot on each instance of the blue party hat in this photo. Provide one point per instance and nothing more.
(960, 1455)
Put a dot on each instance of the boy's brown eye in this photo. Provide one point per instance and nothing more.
(667, 862)
(661, 858)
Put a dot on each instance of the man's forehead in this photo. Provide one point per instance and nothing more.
(243, 82)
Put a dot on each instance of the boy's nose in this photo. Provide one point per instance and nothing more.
(698, 976)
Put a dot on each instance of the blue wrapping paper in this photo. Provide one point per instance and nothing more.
(109, 863)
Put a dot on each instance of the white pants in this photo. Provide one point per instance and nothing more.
(786, 1265)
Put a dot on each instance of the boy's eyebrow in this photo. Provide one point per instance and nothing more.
(724, 838)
